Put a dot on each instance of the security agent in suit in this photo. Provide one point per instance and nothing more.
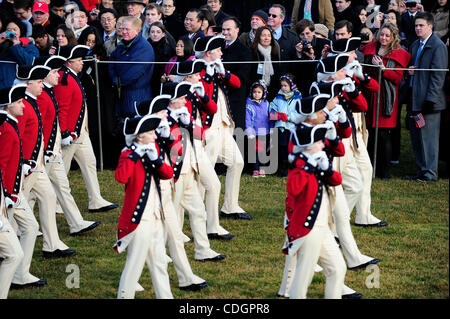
(75, 142)
(427, 97)
(9, 243)
(36, 180)
(187, 280)
(236, 51)
(18, 210)
(140, 230)
(54, 164)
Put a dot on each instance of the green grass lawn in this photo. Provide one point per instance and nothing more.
(413, 249)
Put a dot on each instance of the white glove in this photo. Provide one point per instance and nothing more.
(164, 128)
(331, 116)
(152, 152)
(350, 68)
(66, 141)
(322, 160)
(46, 159)
(331, 131)
(26, 169)
(183, 115)
(10, 203)
(198, 88)
(140, 149)
(339, 113)
(219, 67)
(349, 85)
(210, 68)
(251, 137)
(357, 70)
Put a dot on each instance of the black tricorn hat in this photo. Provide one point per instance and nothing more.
(305, 135)
(29, 72)
(332, 63)
(159, 103)
(209, 43)
(190, 67)
(177, 90)
(312, 104)
(12, 94)
(345, 45)
(52, 61)
(71, 52)
(333, 88)
(140, 124)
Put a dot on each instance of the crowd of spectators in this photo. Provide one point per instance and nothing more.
(277, 34)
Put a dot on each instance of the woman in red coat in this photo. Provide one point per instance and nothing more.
(387, 52)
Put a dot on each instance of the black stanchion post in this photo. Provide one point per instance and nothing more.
(97, 87)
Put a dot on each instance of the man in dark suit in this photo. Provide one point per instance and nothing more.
(286, 38)
(343, 10)
(219, 15)
(427, 97)
(170, 19)
(407, 23)
(236, 51)
(193, 24)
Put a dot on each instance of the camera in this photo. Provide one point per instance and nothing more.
(411, 4)
(10, 35)
(364, 36)
(305, 45)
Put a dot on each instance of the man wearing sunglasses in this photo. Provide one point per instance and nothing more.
(286, 38)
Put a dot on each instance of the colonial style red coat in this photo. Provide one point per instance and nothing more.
(11, 160)
(49, 113)
(196, 104)
(212, 85)
(30, 128)
(136, 173)
(304, 197)
(402, 58)
(71, 99)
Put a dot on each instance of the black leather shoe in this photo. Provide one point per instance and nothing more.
(90, 227)
(379, 224)
(370, 262)
(236, 216)
(355, 295)
(195, 287)
(217, 258)
(103, 209)
(220, 237)
(39, 283)
(58, 253)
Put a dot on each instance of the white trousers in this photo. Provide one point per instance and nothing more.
(209, 189)
(147, 246)
(58, 176)
(39, 184)
(83, 153)
(187, 197)
(318, 245)
(12, 254)
(357, 180)
(220, 144)
(174, 237)
(27, 224)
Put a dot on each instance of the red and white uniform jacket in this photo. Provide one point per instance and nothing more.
(304, 196)
(71, 100)
(197, 107)
(212, 84)
(136, 173)
(11, 159)
(49, 112)
(30, 128)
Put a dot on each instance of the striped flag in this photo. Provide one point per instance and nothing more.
(420, 121)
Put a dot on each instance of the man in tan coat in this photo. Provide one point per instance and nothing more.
(319, 11)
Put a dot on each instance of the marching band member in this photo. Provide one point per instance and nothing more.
(219, 127)
(36, 180)
(11, 161)
(54, 164)
(75, 142)
(140, 228)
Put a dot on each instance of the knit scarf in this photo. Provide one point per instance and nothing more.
(267, 68)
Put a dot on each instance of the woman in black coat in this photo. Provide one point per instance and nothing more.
(163, 52)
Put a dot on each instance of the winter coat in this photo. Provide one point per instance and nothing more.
(285, 103)
(257, 117)
(21, 55)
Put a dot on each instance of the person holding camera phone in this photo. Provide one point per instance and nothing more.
(407, 20)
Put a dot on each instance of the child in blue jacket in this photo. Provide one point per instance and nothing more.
(282, 112)
(257, 125)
